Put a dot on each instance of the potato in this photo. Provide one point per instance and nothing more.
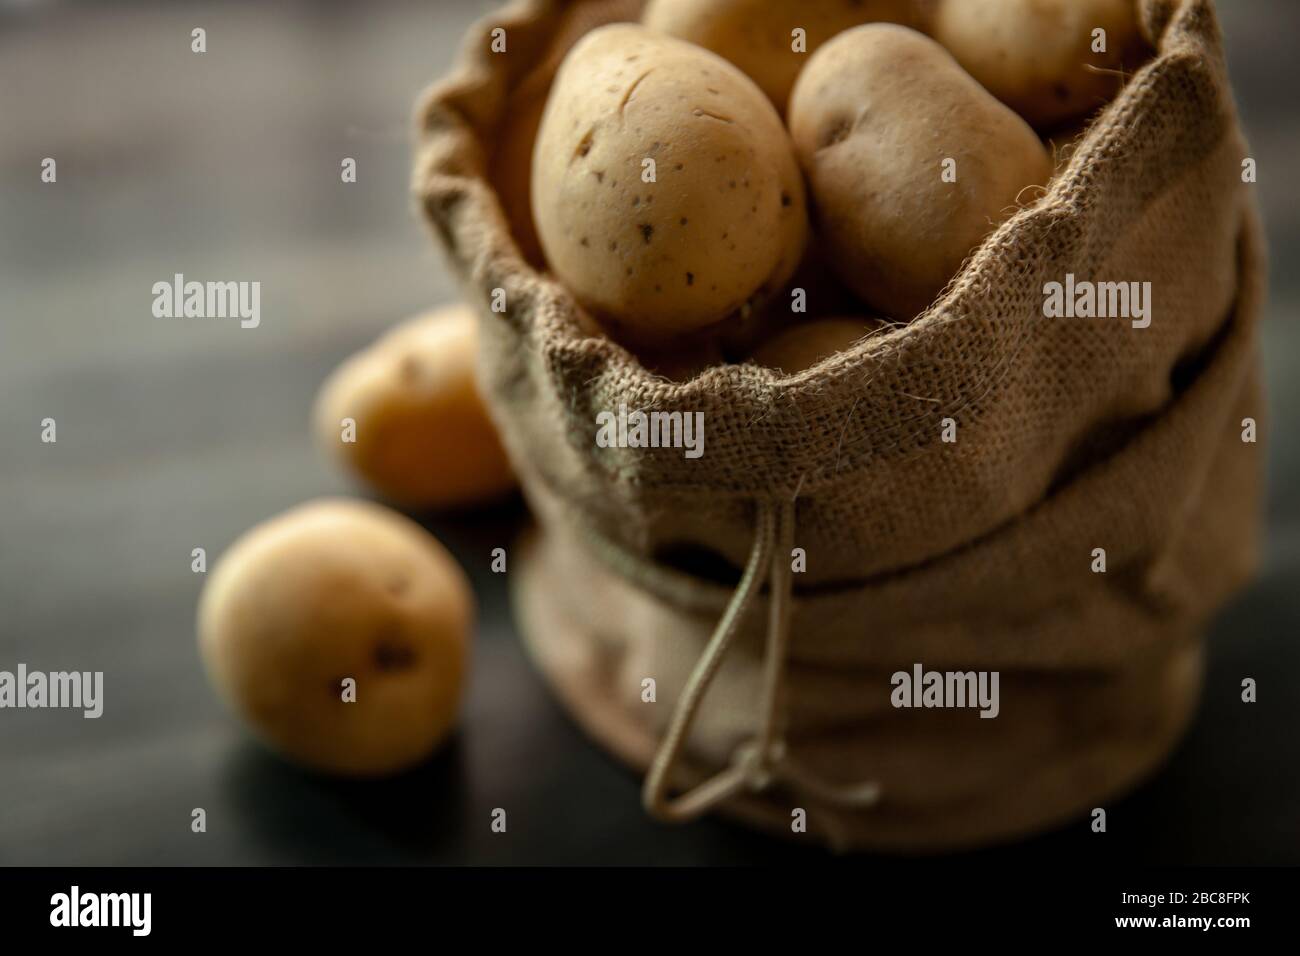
(332, 590)
(1037, 55)
(723, 222)
(423, 435)
(802, 346)
(875, 116)
(758, 35)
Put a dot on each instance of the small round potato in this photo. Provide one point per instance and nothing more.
(665, 191)
(330, 592)
(1041, 57)
(911, 163)
(423, 438)
(802, 346)
(760, 36)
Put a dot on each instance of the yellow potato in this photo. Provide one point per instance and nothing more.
(423, 435)
(802, 346)
(1037, 56)
(759, 35)
(722, 223)
(881, 118)
(329, 591)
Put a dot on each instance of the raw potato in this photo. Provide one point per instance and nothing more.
(337, 589)
(724, 222)
(803, 346)
(423, 435)
(1036, 55)
(757, 35)
(874, 116)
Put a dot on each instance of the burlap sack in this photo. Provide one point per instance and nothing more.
(1072, 435)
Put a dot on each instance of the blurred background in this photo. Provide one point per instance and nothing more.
(181, 434)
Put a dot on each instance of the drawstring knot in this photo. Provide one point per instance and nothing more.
(763, 761)
(758, 768)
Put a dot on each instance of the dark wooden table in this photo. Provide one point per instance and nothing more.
(175, 434)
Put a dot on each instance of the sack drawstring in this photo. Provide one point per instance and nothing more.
(764, 760)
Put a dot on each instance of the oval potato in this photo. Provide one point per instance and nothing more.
(331, 590)
(759, 37)
(1037, 56)
(723, 220)
(876, 116)
(423, 435)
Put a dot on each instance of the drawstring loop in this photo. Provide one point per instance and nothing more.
(696, 802)
(763, 761)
